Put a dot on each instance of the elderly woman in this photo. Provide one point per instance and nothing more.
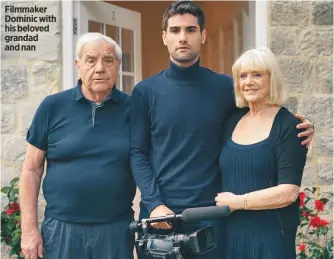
(262, 164)
(83, 134)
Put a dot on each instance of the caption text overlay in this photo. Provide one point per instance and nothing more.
(23, 26)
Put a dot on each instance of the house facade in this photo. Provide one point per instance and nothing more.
(300, 33)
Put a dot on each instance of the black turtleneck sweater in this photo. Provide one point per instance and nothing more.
(176, 130)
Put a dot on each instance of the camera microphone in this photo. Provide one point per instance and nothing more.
(204, 213)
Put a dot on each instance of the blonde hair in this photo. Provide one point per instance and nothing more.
(94, 36)
(261, 59)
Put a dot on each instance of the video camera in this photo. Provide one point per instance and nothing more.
(177, 246)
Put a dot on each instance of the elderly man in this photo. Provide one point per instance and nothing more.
(83, 134)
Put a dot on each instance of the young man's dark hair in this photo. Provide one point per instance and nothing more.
(183, 7)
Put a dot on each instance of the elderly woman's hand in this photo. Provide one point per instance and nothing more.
(235, 202)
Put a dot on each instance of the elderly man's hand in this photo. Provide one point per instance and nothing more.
(32, 244)
(308, 132)
(161, 211)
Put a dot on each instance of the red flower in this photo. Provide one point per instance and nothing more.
(12, 208)
(319, 205)
(323, 223)
(302, 247)
(306, 214)
(318, 222)
(302, 197)
(315, 222)
(9, 212)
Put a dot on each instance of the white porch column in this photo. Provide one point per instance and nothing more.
(261, 24)
(67, 44)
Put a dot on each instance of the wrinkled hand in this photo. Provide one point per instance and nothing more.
(308, 132)
(32, 244)
(235, 202)
(161, 211)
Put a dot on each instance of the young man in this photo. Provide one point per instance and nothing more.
(176, 126)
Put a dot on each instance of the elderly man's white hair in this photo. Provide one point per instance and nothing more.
(94, 36)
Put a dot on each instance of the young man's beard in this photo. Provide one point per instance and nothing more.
(185, 58)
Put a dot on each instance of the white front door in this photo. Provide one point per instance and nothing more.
(122, 25)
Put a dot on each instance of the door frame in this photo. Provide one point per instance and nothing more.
(72, 13)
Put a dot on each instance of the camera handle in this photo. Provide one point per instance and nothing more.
(146, 223)
(145, 226)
